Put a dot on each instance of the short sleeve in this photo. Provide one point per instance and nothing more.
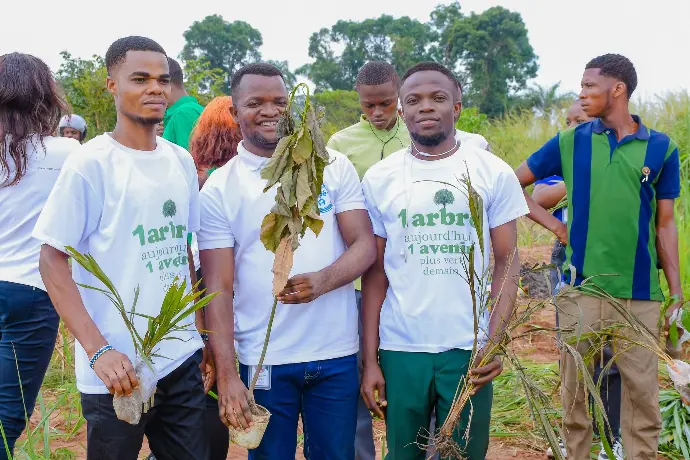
(546, 161)
(215, 231)
(71, 213)
(374, 212)
(668, 184)
(507, 200)
(349, 194)
(194, 212)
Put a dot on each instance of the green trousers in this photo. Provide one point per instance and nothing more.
(417, 383)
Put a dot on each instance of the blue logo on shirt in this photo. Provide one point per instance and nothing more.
(324, 203)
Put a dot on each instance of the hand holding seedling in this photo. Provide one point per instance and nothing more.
(485, 374)
(302, 288)
(116, 371)
(208, 370)
(233, 403)
(372, 383)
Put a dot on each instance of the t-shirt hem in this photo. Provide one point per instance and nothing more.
(510, 217)
(293, 358)
(215, 244)
(350, 206)
(668, 196)
(50, 241)
(422, 348)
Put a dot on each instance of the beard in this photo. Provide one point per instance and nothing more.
(429, 141)
(261, 142)
(143, 120)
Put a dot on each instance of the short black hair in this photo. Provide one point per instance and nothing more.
(258, 68)
(118, 50)
(432, 66)
(176, 75)
(618, 67)
(377, 73)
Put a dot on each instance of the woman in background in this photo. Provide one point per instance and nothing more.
(30, 161)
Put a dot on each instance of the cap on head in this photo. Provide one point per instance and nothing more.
(176, 75)
(259, 68)
(73, 121)
(618, 67)
(377, 73)
(118, 50)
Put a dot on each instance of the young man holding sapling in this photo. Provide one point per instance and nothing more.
(622, 179)
(129, 199)
(310, 368)
(417, 305)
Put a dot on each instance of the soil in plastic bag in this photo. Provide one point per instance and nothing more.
(129, 408)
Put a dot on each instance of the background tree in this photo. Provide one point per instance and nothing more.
(544, 99)
(226, 45)
(83, 82)
(494, 50)
(202, 81)
(290, 77)
(341, 107)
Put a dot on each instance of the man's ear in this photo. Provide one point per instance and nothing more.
(111, 85)
(620, 89)
(457, 109)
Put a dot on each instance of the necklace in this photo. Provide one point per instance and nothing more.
(394, 136)
(429, 155)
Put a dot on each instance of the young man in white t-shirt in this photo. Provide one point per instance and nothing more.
(128, 199)
(311, 366)
(417, 305)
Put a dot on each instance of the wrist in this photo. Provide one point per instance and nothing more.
(100, 352)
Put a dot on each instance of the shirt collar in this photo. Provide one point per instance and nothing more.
(642, 132)
(381, 134)
(253, 162)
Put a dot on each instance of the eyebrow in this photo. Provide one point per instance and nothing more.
(148, 75)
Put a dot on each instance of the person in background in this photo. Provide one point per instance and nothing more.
(73, 126)
(417, 344)
(621, 179)
(184, 109)
(214, 142)
(311, 365)
(131, 198)
(30, 161)
(160, 129)
(215, 137)
(548, 193)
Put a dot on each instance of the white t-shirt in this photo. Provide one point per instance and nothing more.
(21, 204)
(233, 206)
(427, 227)
(131, 210)
(471, 139)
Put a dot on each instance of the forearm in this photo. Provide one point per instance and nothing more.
(67, 301)
(199, 320)
(374, 287)
(541, 215)
(351, 265)
(667, 250)
(503, 292)
(219, 314)
(548, 196)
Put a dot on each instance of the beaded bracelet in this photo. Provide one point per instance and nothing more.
(204, 336)
(98, 354)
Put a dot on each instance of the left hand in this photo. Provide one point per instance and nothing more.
(669, 312)
(208, 370)
(303, 288)
(485, 374)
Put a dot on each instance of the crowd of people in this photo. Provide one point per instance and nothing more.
(395, 343)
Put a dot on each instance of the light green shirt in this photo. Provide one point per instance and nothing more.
(365, 145)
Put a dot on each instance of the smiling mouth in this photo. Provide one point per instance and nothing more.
(269, 124)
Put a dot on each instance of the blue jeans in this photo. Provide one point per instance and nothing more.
(325, 394)
(28, 328)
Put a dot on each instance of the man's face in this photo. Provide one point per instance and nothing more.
(141, 86)
(379, 104)
(598, 92)
(71, 133)
(428, 107)
(258, 104)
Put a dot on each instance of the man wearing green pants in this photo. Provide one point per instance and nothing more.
(417, 305)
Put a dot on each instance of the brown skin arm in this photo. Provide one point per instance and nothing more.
(113, 368)
(667, 250)
(208, 373)
(374, 287)
(219, 276)
(503, 294)
(537, 213)
(355, 227)
(548, 196)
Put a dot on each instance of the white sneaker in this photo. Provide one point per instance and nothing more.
(617, 448)
(561, 446)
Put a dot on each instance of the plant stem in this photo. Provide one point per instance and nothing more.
(263, 352)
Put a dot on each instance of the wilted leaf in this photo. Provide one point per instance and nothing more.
(316, 136)
(314, 224)
(275, 166)
(271, 231)
(281, 208)
(282, 264)
(303, 188)
(302, 150)
(286, 185)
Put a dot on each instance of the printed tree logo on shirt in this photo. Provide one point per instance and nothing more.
(444, 197)
(169, 208)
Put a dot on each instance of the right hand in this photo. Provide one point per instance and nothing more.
(372, 380)
(233, 403)
(116, 371)
(561, 232)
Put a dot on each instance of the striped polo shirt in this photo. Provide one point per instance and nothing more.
(612, 189)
